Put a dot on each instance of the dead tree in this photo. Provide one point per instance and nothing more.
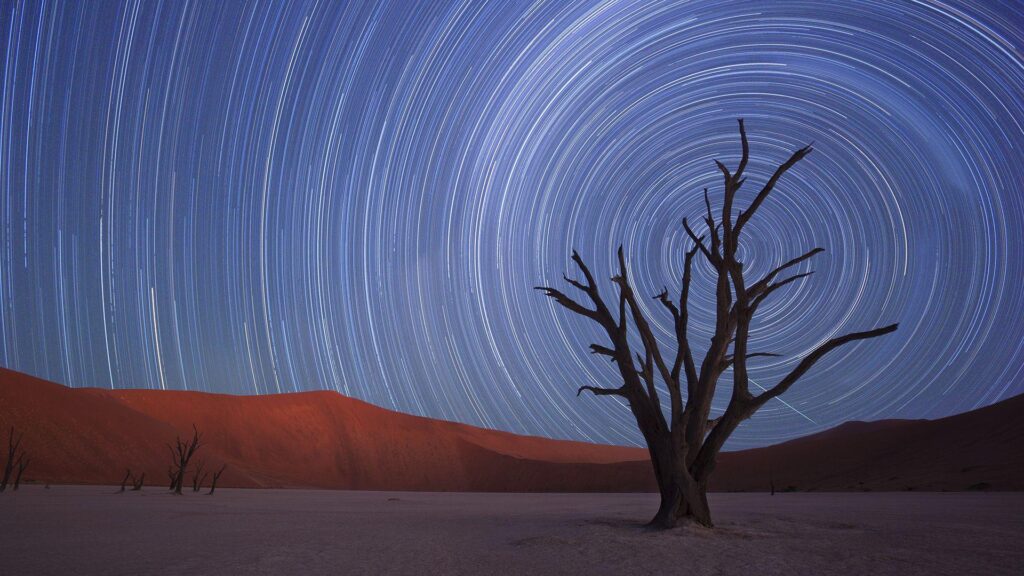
(137, 482)
(216, 476)
(22, 465)
(124, 481)
(15, 458)
(684, 444)
(181, 453)
(198, 477)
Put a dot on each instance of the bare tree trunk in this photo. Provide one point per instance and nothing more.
(179, 479)
(667, 469)
(198, 477)
(682, 499)
(182, 452)
(670, 508)
(697, 508)
(22, 465)
(13, 444)
(216, 476)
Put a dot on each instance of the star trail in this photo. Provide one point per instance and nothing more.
(257, 198)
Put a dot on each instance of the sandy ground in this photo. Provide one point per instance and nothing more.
(90, 530)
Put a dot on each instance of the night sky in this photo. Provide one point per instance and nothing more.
(262, 198)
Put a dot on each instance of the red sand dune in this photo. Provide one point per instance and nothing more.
(309, 439)
(326, 440)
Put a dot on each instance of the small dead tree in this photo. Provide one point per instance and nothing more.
(23, 462)
(684, 445)
(181, 453)
(16, 459)
(216, 476)
(198, 477)
(124, 481)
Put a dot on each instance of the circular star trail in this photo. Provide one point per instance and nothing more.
(271, 197)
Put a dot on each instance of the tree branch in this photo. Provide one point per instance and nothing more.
(684, 355)
(763, 282)
(773, 287)
(575, 283)
(646, 336)
(583, 268)
(745, 152)
(816, 355)
(667, 303)
(745, 216)
(598, 391)
(730, 359)
(709, 219)
(602, 350)
(699, 241)
(568, 302)
(600, 313)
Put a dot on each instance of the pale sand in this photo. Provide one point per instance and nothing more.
(90, 530)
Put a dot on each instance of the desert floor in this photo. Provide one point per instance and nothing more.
(91, 530)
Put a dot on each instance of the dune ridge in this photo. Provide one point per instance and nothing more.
(326, 440)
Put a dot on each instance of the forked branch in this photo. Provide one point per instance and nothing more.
(746, 215)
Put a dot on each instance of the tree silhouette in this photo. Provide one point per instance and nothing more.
(181, 453)
(124, 481)
(685, 445)
(23, 462)
(216, 476)
(16, 460)
(137, 481)
(198, 477)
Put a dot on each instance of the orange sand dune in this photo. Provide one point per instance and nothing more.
(326, 440)
(310, 439)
